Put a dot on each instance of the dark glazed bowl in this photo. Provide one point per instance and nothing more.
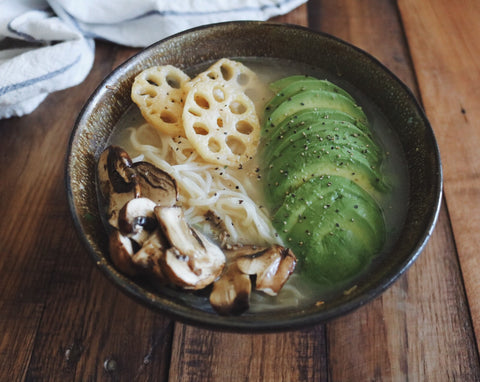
(259, 39)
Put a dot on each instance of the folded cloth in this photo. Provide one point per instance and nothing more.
(39, 54)
(143, 22)
(48, 45)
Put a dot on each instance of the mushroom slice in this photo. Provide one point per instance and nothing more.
(272, 267)
(150, 256)
(231, 292)
(240, 250)
(117, 181)
(192, 262)
(121, 252)
(156, 184)
(137, 220)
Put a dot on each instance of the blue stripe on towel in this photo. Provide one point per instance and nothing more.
(32, 81)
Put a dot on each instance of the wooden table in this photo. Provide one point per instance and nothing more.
(62, 320)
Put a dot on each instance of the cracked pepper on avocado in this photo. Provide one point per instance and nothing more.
(225, 183)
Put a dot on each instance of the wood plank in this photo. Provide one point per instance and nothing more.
(445, 56)
(102, 334)
(205, 355)
(18, 325)
(405, 334)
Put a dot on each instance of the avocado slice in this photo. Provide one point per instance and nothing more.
(285, 81)
(296, 86)
(305, 117)
(285, 173)
(333, 225)
(327, 131)
(320, 99)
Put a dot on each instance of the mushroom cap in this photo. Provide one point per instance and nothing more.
(156, 184)
(121, 252)
(117, 181)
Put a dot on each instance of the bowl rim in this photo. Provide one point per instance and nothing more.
(247, 323)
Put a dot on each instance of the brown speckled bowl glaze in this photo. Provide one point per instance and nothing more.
(259, 39)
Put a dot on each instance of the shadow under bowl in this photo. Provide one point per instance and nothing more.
(260, 39)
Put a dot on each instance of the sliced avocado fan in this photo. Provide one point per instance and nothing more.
(321, 167)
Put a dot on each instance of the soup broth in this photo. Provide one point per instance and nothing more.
(297, 292)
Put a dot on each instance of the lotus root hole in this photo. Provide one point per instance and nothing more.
(242, 79)
(237, 107)
(200, 129)
(214, 145)
(218, 94)
(212, 75)
(150, 92)
(168, 117)
(226, 72)
(201, 101)
(236, 145)
(152, 81)
(219, 122)
(173, 81)
(194, 112)
(243, 127)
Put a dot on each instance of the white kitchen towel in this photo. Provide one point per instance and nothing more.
(48, 45)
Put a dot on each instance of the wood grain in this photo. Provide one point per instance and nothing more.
(387, 335)
(204, 355)
(445, 55)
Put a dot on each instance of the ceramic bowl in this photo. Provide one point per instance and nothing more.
(260, 39)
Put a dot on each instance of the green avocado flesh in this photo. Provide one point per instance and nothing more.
(321, 166)
(301, 86)
(314, 99)
(333, 225)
